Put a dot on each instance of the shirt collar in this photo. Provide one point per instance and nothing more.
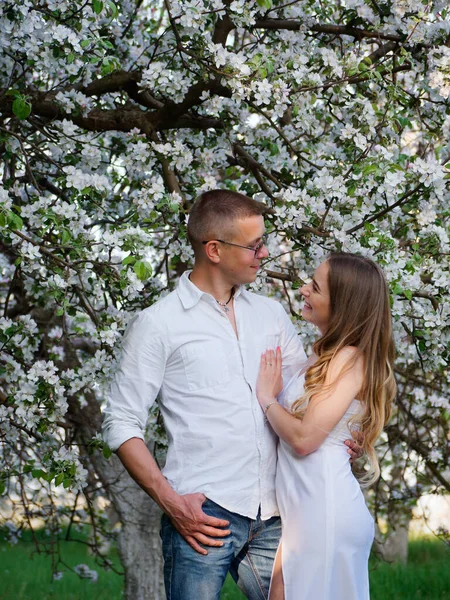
(190, 294)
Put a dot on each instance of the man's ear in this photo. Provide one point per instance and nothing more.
(212, 251)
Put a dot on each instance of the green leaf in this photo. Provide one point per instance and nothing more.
(370, 169)
(408, 294)
(107, 452)
(107, 44)
(70, 58)
(65, 236)
(404, 122)
(2, 487)
(50, 476)
(139, 269)
(2, 219)
(352, 188)
(113, 8)
(267, 4)
(67, 483)
(97, 6)
(85, 43)
(37, 473)
(21, 107)
(14, 221)
(108, 65)
(274, 150)
(129, 260)
(59, 479)
(142, 269)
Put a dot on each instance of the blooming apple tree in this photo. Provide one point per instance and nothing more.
(113, 118)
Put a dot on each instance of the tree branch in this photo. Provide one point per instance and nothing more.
(422, 451)
(254, 165)
(358, 34)
(380, 214)
(223, 28)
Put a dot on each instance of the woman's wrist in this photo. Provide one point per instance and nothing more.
(268, 405)
(265, 400)
(266, 409)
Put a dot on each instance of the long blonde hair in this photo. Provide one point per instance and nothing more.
(360, 316)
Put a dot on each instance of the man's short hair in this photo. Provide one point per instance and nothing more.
(214, 214)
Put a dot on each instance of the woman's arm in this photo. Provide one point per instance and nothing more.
(325, 408)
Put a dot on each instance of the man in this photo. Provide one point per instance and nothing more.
(200, 348)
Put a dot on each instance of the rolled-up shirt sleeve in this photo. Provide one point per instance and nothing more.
(136, 382)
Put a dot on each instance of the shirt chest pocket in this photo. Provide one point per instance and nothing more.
(205, 365)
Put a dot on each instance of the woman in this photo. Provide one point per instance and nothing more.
(348, 382)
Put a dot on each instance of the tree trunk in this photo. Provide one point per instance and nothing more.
(139, 543)
(393, 544)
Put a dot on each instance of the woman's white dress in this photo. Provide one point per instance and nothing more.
(327, 530)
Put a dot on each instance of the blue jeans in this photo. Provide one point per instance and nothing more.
(247, 553)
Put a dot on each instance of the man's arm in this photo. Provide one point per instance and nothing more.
(184, 511)
(136, 384)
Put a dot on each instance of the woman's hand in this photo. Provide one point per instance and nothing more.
(269, 383)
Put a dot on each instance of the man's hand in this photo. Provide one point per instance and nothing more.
(355, 446)
(185, 511)
(196, 526)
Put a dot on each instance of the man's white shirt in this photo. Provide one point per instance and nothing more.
(184, 350)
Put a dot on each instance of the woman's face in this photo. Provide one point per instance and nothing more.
(316, 309)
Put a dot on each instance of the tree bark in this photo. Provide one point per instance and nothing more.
(392, 545)
(139, 543)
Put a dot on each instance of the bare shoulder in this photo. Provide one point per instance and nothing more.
(348, 362)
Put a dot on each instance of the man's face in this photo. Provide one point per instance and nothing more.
(240, 265)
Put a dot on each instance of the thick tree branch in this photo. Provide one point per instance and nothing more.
(120, 119)
(171, 111)
(382, 51)
(114, 82)
(223, 28)
(358, 34)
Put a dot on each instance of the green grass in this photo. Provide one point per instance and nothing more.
(427, 574)
(26, 575)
